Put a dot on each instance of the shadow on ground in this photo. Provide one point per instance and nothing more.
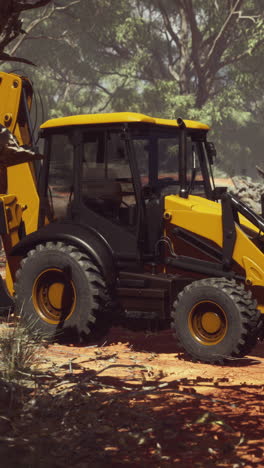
(164, 342)
(96, 421)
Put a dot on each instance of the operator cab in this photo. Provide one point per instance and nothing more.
(111, 172)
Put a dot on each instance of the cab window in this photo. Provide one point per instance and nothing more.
(60, 183)
(107, 186)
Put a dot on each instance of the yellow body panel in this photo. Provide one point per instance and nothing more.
(25, 205)
(118, 117)
(204, 217)
(21, 178)
(21, 182)
(13, 216)
(10, 96)
(10, 92)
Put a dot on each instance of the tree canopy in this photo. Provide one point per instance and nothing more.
(201, 60)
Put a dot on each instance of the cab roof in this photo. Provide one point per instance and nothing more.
(118, 117)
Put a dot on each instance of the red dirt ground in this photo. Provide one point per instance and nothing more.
(136, 401)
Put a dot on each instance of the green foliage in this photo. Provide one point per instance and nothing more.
(198, 60)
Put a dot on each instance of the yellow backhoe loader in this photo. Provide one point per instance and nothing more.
(123, 215)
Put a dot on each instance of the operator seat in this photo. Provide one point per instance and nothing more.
(103, 196)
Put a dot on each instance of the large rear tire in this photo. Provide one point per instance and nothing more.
(61, 292)
(215, 319)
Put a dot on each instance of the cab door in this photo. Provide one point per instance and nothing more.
(108, 199)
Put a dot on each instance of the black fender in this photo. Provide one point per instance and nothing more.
(84, 238)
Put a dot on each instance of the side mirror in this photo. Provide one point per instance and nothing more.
(211, 151)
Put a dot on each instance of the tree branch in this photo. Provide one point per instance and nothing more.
(66, 7)
(237, 58)
(112, 96)
(253, 18)
(47, 14)
(29, 5)
(196, 40)
(224, 27)
(168, 25)
(30, 28)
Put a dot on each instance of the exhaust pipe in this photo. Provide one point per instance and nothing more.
(182, 158)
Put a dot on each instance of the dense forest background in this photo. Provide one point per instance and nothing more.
(196, 59)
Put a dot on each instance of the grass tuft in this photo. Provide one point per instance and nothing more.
(20, 350)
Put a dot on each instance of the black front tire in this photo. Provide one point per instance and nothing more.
(61, 292)
(215, 320)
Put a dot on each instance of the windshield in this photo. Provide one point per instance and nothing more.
(157, 157)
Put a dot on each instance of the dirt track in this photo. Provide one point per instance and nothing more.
(159, 352)
(180, 412)
(135, 401)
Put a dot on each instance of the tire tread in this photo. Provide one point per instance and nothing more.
(249, 316)
(97, 319)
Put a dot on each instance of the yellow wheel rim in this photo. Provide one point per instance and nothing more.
(54, 296)
(207, 323)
